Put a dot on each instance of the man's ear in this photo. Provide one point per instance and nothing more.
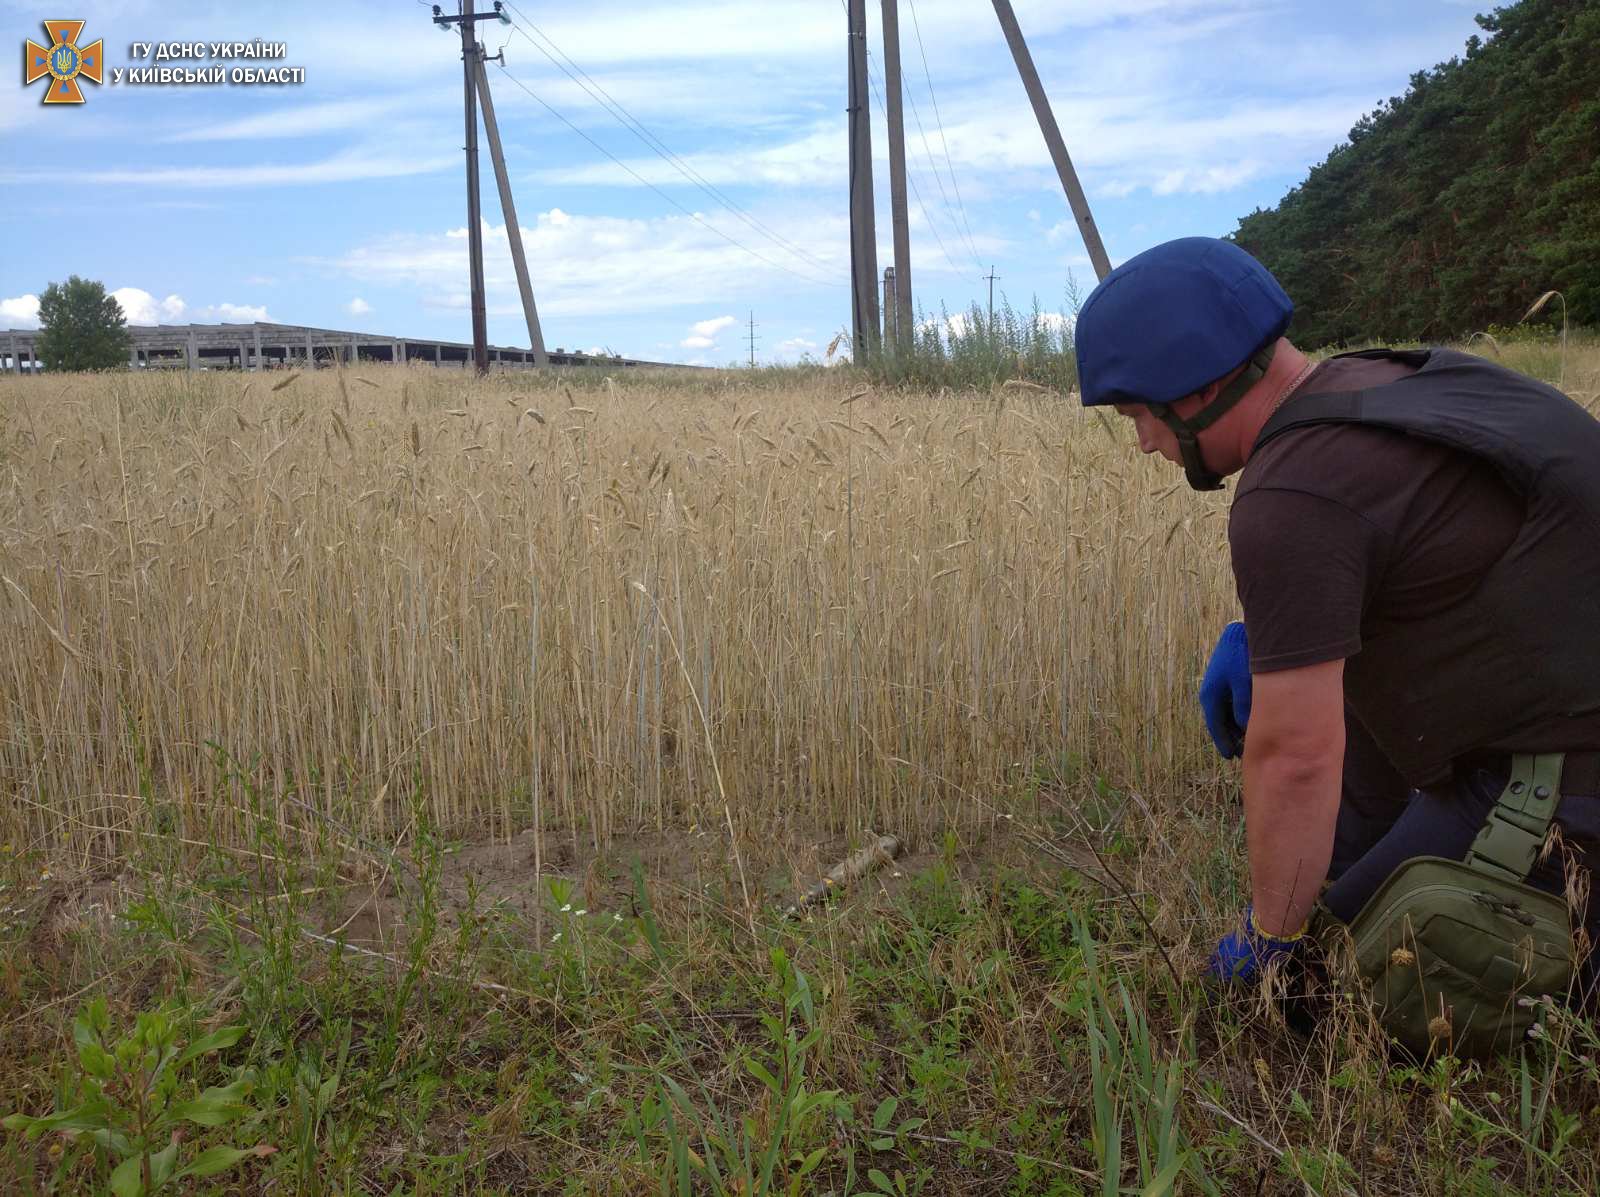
(1211, 390)
(1203, 397)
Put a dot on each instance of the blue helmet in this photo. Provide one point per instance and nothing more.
(1177, 317)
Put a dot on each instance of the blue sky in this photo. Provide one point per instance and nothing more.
(340, 202)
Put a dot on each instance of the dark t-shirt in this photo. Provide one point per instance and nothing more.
(1340, 532)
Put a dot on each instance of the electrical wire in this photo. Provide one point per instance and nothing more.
(933, 167)
(916, 191)
(618, 111)
(694, 216)
(877, 94)
(928, 75)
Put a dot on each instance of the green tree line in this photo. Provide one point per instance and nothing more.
(1452, 207)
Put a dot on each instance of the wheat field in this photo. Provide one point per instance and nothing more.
(608, 604)
(599, 603)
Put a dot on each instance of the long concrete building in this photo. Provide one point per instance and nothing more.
(262, 346)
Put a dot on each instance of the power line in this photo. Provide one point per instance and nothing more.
(753, 339)
(943, 141)
(916, 191)
(694, 216)
(927, 153)
(653, 142)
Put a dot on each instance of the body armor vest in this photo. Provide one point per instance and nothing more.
(1521, 653)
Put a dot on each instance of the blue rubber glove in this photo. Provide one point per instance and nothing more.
(1225, 691)
(1245, 954)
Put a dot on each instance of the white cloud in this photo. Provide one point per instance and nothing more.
(606, 265)
(795, 347)
(21, 312)
(141, 307)
(294, 120)
(232, 313)
(710, 328)
(358, 307)
(816, 158)
(340, 168)
(697, 342)
(959, 324)
(1207, 180)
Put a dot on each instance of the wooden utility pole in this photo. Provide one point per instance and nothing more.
(1052, 136)
(895, 104)
(508, 209)
(863, 223)
(480, 310)
(467, 20)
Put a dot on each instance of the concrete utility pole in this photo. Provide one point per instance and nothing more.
(991, 276)
(1052, 136)
(897, 180)
(508, 210)
(863, 221)
(891, 309)
(467, 19)
(752, 339)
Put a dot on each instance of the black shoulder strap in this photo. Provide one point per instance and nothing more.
(1348, 407)
(1319, 407)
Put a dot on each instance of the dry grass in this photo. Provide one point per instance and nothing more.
(650, 601)
(512, 593)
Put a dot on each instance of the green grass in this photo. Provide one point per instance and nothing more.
(999, 1024)
(980, 350)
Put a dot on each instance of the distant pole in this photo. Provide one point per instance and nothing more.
(470, 66)
(863, 223)
(901, 301)
(480, 314)
(508, 209)
(891, 309)
(991, 276)
(1052, 136)
(752, 339)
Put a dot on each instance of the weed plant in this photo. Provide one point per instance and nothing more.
(981, 349)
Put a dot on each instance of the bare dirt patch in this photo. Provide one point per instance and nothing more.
(675, 864)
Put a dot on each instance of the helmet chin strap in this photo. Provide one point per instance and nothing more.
(1187, 431)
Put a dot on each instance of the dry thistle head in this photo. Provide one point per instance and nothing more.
(1402, 957)
(1439, 1026)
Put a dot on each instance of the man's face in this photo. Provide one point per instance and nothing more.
(1154, 435)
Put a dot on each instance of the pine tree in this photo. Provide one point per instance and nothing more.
(1453, 206)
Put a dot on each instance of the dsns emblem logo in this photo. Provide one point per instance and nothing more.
(63, 62)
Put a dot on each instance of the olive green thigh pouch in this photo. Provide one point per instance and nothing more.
(1447, 950)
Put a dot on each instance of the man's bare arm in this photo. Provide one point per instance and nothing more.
(1293, 764)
